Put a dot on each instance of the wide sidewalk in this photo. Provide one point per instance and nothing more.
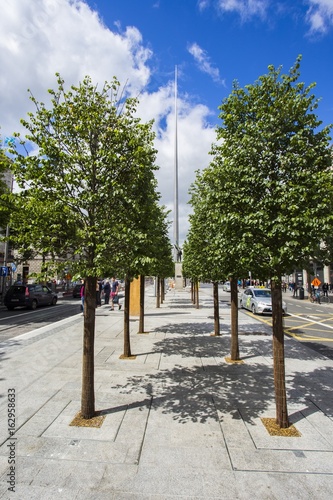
(181, 422)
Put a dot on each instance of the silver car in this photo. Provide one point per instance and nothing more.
(259, 300)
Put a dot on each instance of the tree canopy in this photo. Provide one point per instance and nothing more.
(274, 165)
(93, 163)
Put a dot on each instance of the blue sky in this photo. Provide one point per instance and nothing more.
(215, 42)
(212, 42)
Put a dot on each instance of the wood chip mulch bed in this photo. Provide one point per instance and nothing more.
(236, 362)
(96, 421)
(274, 430)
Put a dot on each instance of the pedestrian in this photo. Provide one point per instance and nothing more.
(82, 295)
(295, 290)
(114, 293)
(98, 293)
(107, 291)
(325, 289)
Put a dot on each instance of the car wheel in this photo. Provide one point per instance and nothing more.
(10, 308)
(241, 304)
(54, 301)
(34, 304)
(253, 308)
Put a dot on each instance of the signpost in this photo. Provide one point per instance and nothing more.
(316, 282)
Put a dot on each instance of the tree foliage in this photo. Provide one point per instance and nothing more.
(5, 203)
(275, 165)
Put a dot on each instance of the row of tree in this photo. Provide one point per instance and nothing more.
(88, 194)
(265, 202)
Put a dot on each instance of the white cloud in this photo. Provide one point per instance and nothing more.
(203, 4)
(320, 16)
(203, 62)
(245, 8)
(195, 138)
(40, 38)
(43, 37)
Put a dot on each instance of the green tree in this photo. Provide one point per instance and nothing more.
(208, 247)
(39, 227)
(90, 149)
(275, 173)
(5, 204)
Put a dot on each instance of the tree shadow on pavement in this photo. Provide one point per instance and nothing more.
(200, 385)
(196, 393)
(313, 389)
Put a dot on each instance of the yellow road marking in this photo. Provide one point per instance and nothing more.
(313, 321)
(302, 337)
(305, 337)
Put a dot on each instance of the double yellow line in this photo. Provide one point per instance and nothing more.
(303, 336)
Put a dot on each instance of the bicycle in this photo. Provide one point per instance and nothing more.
(316, 297)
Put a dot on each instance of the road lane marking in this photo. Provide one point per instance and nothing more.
(305, 337)
(312, 321)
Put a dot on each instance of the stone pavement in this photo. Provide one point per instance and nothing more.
(181, 423)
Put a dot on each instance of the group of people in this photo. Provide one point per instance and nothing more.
(108, 288)
(315, 290)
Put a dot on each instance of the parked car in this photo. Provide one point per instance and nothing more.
(258, 300)
(77, 291)
(30, 296)
(226, 287)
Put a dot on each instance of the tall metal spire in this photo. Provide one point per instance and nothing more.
(176, 214)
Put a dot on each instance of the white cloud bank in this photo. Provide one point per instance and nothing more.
(320, 15)
(40, 38)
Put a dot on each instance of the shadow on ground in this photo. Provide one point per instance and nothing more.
(194, 389)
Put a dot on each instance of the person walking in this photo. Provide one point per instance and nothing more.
(114, 293)
(82, 295)
(98, 293)
(107, 292)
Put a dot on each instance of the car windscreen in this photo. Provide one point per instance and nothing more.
(262, 293)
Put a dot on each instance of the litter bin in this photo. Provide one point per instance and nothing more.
(301, 293)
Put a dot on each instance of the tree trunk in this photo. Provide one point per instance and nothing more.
(196, 294)
(234, 351)
(216, 309)
(278, 354)
(162, 290)
(88, 391)
(142, 304)
(309, 284)
(127, 342)
(192, 292)
(158, 292)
